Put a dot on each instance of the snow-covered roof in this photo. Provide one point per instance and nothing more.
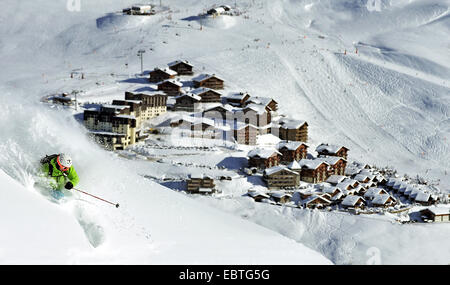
(423, 197)
(236, 96)
(373, 191)
(291, 124)
(279, 194)
(351, 200)
(278, 168)
(310, 163)
(330, 148)
(259, 109)
(203, 77)
(202, 90)
(200, 176)
(193, 96)
(335, 179)
(332, 160)
(256, 194)
(166, 70)
(331, 189)
(173, 81)
(226, 107)
(315, 197)
(118, 107)
(261, 100)
(291, 145)
(294, 165)
(361, 177)
(439, 210)
(179, 61)
(262, 152)
(380, 199)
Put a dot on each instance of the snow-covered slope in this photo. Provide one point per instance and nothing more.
(389, 103)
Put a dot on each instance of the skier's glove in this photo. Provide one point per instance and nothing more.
(69, 185)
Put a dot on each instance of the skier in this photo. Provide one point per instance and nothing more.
(59, 168)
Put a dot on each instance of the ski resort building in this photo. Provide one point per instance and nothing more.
(332, 150)
(118, 125)
(181, 67)
(263, 158)
(436, 214)
(158, 74)
(170, 87)
(279, 177)
(292, 130)
(207, 95)
(337, 164)
(313, 171)
(113, 126)
(200, 184)
(292, 150)
(209, 81)
(237, 99)
(152, 105)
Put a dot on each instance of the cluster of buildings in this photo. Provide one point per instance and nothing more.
(237, 116)
(118, 125)
(289, 163)
(139, 9)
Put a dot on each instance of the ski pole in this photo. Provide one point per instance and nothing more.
(115, 204)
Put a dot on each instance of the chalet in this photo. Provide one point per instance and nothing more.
(316, 202)
(237, 99)
(207, 95)
(373, 192)
(158, 74)
(170, 87)
(181, 67)
(268, 103)
(293, 130)
(391, 182)
(280, 197)
(263, 158)
(336, 179)
(383, 200)
(292, 150)
(208, 81)
(424, 198)
(399, 184)
(281, 177)
(332, 150)
(257, 196)
(337, 164)
(313, 171)
(187, 102)
(436, 214)
(223, 112)
(353, 201)
(197, 182)
(362, 178)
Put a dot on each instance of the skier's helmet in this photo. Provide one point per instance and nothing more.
(64, 161)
